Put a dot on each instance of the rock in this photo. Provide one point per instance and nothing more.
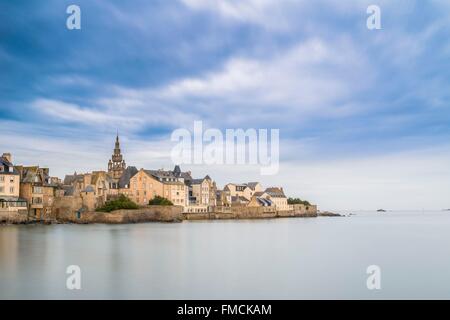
(329, 214)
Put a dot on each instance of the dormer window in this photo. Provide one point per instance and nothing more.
(11, 169)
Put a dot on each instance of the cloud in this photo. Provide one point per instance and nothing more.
(268, 13)
(308, 78)
(73, 113)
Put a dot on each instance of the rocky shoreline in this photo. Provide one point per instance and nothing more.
(329, 214)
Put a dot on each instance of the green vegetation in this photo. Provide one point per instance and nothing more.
(160, 201)
(122, 202)
(298, 201)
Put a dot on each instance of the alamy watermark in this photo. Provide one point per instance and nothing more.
(373, 282)
(73, 281)
(236, 146)
(73, 21)
(374, 20)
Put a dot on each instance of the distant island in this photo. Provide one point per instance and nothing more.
(381, 210)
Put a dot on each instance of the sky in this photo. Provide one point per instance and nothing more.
(363, 114)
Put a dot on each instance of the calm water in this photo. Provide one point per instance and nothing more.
(284, 258)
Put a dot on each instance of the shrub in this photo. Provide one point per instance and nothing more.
(122, 202)
(160, 201)
(298, 201)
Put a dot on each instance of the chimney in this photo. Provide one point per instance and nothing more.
(7, 156)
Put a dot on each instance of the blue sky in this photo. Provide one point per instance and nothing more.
(363, 114)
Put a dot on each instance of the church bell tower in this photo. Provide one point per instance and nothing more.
(116, 165)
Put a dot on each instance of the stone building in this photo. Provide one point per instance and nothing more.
(238, 190)
(278, 197)
(261, 199)
(146, 184)
(92, 188)
(10, 186)
(37, 188)
(203, 192)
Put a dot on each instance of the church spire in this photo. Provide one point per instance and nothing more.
(116, 165)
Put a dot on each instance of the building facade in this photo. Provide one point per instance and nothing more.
(203, 192)
(37, 189)
(10, 186)
(278, 197)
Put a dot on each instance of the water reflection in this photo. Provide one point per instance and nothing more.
(286, 258)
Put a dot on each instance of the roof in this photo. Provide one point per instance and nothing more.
(12, 199)
(258, 194)
(69, 179)
(238, 199)
(275, 192)
(29, 175)
(126, 176)
(5, 163)
(252, 185)
(163, 175)
(177, 171)
(68, 190)
(264, 202)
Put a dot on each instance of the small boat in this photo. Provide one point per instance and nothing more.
(381, 210)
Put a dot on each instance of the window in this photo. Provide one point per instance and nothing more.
(37, 189)
(2, 178)
(2, 189)
(11, 179)
(11, 190)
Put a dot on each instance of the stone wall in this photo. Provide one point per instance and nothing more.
(220, 213)
(147, 214)
(13, 217)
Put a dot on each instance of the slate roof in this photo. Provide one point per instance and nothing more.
(126, 176)
(258, 194)
(264, 202)
(29, 174)
(161, 174)
(6, 164)
(68, 190)
(275, 192)
(252, 185)
(69, 179)
(238, 199)
(164, 175)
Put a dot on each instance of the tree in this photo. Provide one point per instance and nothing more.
(160, 201)
(122, 202)
(298, 201)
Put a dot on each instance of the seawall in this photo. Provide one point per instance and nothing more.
(12, 217)
(147, 214)
(221, 213)
(159, 214)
